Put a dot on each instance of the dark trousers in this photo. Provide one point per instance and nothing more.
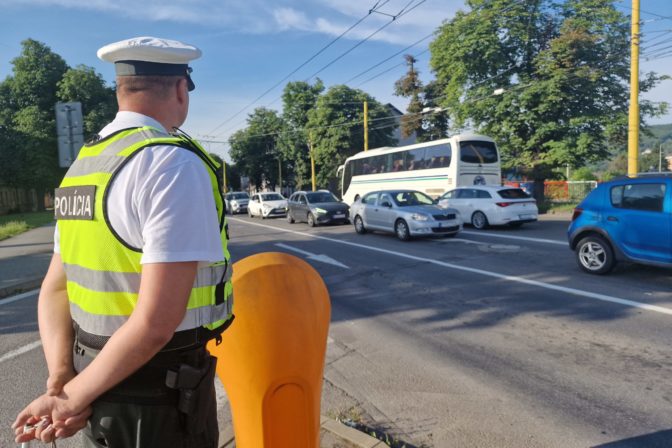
(141, 412)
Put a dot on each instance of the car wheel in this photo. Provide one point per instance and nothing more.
(479, 220)
(594, 255)
(311, 220)
(289, 218)
(359, 225)
(401, 230)
(515, 225)
(249, 213)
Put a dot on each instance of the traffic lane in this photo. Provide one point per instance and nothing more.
(417, 258)
(513, 322)
(552, 227)
(528, 261)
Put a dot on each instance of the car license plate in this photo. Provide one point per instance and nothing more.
(339, 215)
(526, 216)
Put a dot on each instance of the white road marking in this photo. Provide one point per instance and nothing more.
(20, 351)
(522, 238)
(312, 256)
(22, 296)
(510, 278)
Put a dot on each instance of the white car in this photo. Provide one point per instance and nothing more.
(267, 205)
(484, 205)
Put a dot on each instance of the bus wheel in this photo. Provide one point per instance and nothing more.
(359, 225)
(401, 230)
(479, 220)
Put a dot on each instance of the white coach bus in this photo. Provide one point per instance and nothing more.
(431, 167)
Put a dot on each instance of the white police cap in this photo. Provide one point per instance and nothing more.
(150, 56)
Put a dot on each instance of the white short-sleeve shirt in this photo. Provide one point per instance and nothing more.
(162, 201)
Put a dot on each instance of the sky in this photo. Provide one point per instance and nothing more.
(251, 45)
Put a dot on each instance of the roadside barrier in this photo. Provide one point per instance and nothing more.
(271, 359)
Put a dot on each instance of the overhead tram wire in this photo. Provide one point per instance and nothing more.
(391, 68)
(387, 59)
(405, 10)
(401, 13)
(371, 11)
(376, 8)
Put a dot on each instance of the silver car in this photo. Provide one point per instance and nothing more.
(407, 213)
(236, 202)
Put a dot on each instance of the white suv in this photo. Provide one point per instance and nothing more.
(491, 205)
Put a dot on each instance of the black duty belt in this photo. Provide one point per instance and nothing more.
(181, 340)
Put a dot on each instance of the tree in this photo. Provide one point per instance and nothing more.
(254, 149)
(563, 69)
(99, 103)
(27, 102)
(40, 78)
(298, 98)
(335, 129)
(411, 86)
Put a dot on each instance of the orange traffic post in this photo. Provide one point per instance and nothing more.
(271, 359)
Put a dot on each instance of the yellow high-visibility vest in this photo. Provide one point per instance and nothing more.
(103, 271)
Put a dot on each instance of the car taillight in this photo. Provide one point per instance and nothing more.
(577, 213)
(503, 204)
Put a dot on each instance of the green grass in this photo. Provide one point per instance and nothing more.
(14, 224)
(564, 207)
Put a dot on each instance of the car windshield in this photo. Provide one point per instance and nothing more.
(237, 196)
(320, 197)
(411, 198)
(513, 193)
(271, 197)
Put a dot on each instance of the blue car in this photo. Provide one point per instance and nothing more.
(628, 219)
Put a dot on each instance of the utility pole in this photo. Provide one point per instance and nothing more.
(660, 158)
(280, 175)
(366, 125)
(633, 120)
(224, 174)
(312, 162)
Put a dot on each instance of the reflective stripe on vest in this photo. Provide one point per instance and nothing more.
(103, 273)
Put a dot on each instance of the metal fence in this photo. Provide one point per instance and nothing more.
(568, 191)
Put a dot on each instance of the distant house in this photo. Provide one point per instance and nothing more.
(411, 139)
(669, 162)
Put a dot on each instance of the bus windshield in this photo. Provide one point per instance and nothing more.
(478, 151)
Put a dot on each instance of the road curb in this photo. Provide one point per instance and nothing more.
(355, 437)
(24, 286)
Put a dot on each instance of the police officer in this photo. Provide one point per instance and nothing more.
(140, 277)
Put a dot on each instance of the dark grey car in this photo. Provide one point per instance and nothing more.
(316, 207)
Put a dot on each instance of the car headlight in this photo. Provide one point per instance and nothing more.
(319, 211)
(419, 217)
(234, 204)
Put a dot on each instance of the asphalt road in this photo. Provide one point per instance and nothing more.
(491, 339)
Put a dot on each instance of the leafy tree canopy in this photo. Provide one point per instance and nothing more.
(336, 129)
(254, 149)
(561, 69)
